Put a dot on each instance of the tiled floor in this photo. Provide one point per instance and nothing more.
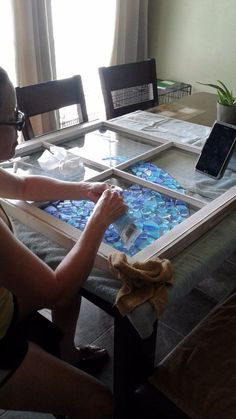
(95, 326)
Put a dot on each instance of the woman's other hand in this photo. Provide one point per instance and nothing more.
(109, 207)
(95, 190)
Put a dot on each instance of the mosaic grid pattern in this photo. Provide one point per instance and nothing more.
(153, 213)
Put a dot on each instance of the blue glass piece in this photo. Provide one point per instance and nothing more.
(137, 214)
(146, 213)
(119, 246)
(135, 187)
(150, 226)
(64, 217)
(141, 243)
(155, 234)
(76, 203)
(151, 203)
(74, 223)
(173, 212)
(157, 219)
(111, 238)
(51, 210)
(183, 210)
(120, 159)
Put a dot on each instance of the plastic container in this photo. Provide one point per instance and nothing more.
(127, 230)
(125, 226)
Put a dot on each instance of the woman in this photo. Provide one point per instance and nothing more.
(31, 378)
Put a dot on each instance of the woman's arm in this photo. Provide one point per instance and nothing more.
(28, 277)
(42, 188)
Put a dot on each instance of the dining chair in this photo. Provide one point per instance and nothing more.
(50, 96)
(129, 87)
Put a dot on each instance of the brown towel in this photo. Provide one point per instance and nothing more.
(147, 281)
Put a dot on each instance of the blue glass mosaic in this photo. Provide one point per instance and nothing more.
(153, 213)
(155, 174)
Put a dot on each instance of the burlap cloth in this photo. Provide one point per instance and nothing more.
(141, 282)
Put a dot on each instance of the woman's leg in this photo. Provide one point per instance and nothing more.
(46, 384)
(65, 317)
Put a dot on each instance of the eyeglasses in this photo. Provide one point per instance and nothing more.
(19, 122)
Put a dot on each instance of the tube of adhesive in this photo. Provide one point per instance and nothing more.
(126, 227)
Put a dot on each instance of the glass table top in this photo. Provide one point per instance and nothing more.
(107, 147)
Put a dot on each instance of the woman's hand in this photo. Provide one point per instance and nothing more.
(109, 207)
(95, 190)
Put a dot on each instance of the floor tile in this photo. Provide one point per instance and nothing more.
(221, 283)
(105, 372)
(232, 258)
(93, 323)
(166, 340)
(182, 316)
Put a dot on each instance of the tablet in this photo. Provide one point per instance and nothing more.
(217, 150)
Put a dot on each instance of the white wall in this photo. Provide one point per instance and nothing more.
(194, 40)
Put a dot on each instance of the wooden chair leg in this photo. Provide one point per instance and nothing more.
(133, 363)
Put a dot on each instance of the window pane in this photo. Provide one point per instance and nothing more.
(7, 47)
(83, 36)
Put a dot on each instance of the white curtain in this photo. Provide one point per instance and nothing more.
(131, 32)
(35, 55)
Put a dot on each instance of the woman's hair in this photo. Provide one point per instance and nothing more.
(3, 81)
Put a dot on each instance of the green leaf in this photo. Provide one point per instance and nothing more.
(215, 86)
(221, 98)
(225, 88)
(225, 96)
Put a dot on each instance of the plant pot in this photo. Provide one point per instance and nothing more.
(226, 113)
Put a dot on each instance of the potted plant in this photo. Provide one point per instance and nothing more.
(226, 103)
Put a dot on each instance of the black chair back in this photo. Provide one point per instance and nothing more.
(49, 96)
(129, 87)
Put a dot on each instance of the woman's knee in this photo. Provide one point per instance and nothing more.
(103, 404)
(96, 403)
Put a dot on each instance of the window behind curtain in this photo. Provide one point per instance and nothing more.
(83, 36)
(7, 47)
